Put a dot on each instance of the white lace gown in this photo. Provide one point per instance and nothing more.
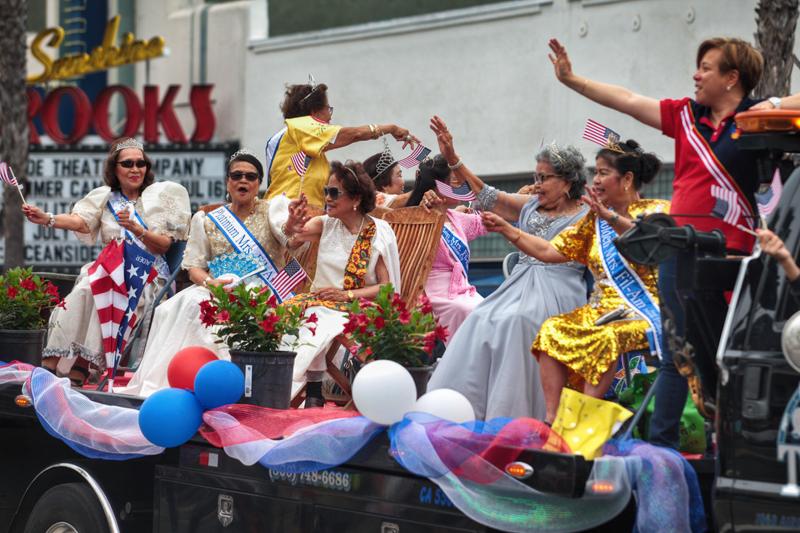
(176, 323)
(75, 330)
(336, 243)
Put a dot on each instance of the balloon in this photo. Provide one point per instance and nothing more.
(218, 383)
(384, 391)
(170, 417)
(447, 404)
(185, 364)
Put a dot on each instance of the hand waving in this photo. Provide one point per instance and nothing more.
(444, 138)
(560, 60)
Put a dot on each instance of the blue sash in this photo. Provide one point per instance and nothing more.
(117, 201)
(244, 242)
(458, 248)
(628, 285)
(272, 148)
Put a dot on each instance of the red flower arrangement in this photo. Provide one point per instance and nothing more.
(250, 318)
(385, 328)
(26, 299)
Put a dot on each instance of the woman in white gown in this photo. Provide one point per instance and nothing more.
(152, 215)
(176, 323)
(357, 254)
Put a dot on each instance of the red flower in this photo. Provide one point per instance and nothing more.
(207, 312)
(368, 351)
(12, 292)
(441, 333)
(380, 323)
(253, 303)
(268, 324)
(223, 316)
(405, 317)
(28, 284)
(272, 302)
(312, 318)
(362, 320)
(62, 304)
(425, 304)
(52, 290)
(231, 298)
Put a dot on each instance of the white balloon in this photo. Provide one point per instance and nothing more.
(447, 404)
(384, 391)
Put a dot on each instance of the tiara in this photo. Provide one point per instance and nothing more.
(130, 142)
(241, 151)
(385, 160)
(313, 84)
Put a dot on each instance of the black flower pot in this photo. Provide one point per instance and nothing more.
(421, 375)
(267, 377)
(24, 345)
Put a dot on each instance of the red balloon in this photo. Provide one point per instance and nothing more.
(185, 365)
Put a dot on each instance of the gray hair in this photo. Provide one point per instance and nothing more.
(568, 163)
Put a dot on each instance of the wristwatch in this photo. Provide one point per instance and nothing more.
(350, 295)
(52, 222)
(775, 101)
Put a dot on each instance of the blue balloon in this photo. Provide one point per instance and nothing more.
(218, 383)
(170, 417)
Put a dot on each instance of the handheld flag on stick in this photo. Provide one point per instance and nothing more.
(599, 134)
(768, 200)
(300, 162)
(415, 157)
(462, 193)
(7, 176)
(287, 279)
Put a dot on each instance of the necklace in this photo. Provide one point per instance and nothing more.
(250, 212)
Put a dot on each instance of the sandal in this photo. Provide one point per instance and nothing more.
(77, 376)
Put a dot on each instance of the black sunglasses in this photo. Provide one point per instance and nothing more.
(333, 192)
(129, 163)
(249, 176)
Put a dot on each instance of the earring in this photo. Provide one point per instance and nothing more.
(355, 208)
(728, 88)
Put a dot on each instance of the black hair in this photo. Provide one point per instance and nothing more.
(356, 183)
(382, 180)
(247, 158)
(430, 171)
(303, 99)
(643, 165)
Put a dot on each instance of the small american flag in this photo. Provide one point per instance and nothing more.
(300, 161)
(462, 193)
(726, 206)
(415, 157)
(287, 279)
(768, 200)
(7, 175)
(597, 133)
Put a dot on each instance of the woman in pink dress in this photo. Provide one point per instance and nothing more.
(448, 288)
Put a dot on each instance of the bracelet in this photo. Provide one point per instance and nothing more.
(519, 236)
(140, 237)
(614, 219)
(285, 233)
(205, 281)
(459, 164)
(373, 130)
(350, 295)
(52, 222)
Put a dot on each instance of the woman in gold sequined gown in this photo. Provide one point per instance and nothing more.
(176, 323)
(571, 347)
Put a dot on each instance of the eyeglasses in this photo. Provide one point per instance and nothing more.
(539, 178)
(333, 192)
(249, 176)
(129, 163)
(330, 109)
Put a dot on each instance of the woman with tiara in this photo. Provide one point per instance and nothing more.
(296, 155)
(245, 225)
(152, 215)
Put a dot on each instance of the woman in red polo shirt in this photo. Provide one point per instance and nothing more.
(714, 182)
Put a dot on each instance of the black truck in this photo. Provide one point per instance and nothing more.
(741, 378)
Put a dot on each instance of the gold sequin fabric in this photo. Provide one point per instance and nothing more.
(258, 224)
(588, 351)
(355, 273)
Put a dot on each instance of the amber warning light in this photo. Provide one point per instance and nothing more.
(786, 120)
(519, 470)
(23, 401)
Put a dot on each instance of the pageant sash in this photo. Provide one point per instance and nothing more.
(628, 284)
(458, 248)
(244, 242)
(272, 148)
(118, 202)
(712, 164)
